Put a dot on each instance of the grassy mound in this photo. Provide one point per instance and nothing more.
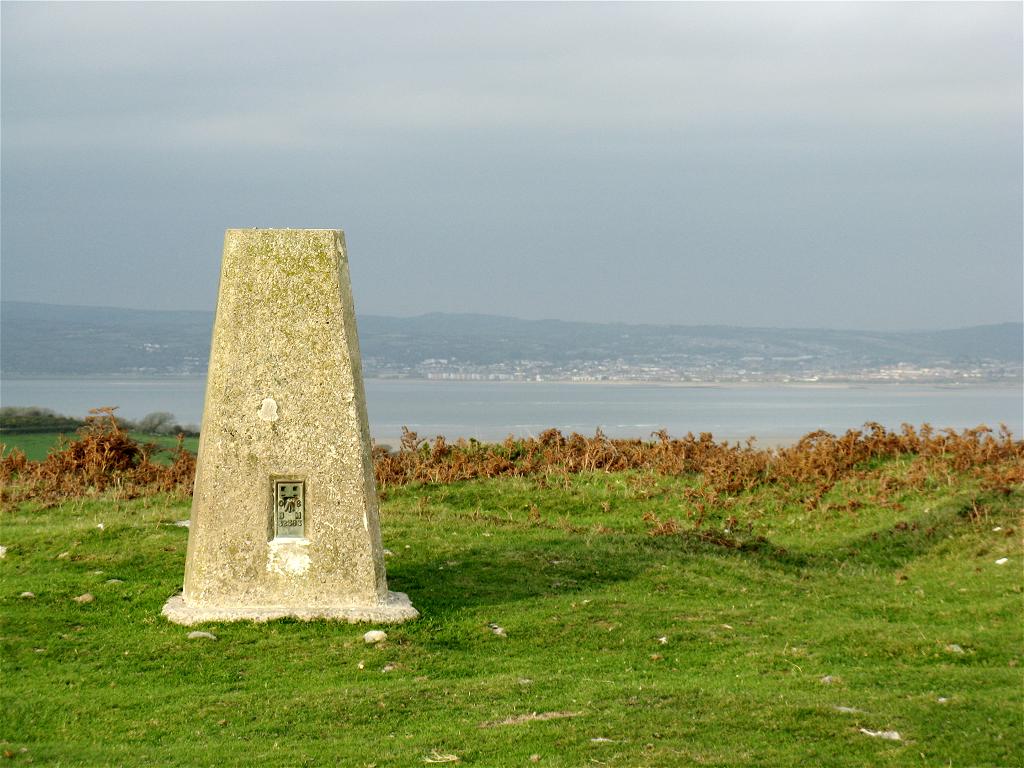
(646, 619)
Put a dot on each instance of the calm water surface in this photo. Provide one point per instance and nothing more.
(492, 410)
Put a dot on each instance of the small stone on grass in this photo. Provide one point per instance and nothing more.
(27, 595)
(375, 636)
(439, 757)
(198, 635)
(889, 735)
(83, 599)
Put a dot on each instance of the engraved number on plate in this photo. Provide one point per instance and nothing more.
(289, 509)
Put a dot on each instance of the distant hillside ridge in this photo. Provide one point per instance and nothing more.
(60, 340)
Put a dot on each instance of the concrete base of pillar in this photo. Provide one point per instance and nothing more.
(394, 609)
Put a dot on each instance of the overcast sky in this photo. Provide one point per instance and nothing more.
(811, 165)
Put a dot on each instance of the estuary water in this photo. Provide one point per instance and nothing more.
(493, 410)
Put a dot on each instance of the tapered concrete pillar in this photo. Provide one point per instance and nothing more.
(284, 514)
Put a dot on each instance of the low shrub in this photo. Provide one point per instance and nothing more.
(103, 458)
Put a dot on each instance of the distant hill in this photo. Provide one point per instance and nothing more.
(488, 339)
(55, 340)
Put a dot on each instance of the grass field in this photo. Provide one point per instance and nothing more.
(37, 445)
(771, 636)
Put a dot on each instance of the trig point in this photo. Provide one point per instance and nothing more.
(284, 514)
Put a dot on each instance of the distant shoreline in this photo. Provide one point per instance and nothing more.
(776, 413)
(991, 384)
(724, 384)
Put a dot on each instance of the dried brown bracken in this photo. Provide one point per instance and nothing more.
(819, 458)
(104, 458)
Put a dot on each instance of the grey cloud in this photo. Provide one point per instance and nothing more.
(776, 164)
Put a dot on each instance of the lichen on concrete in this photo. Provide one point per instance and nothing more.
(285, 400)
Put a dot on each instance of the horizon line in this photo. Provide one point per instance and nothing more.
(551, 319)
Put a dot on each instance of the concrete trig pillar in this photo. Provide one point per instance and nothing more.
(284, 514)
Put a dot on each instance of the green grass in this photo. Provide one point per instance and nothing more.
(754, 619)
(37, 445)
